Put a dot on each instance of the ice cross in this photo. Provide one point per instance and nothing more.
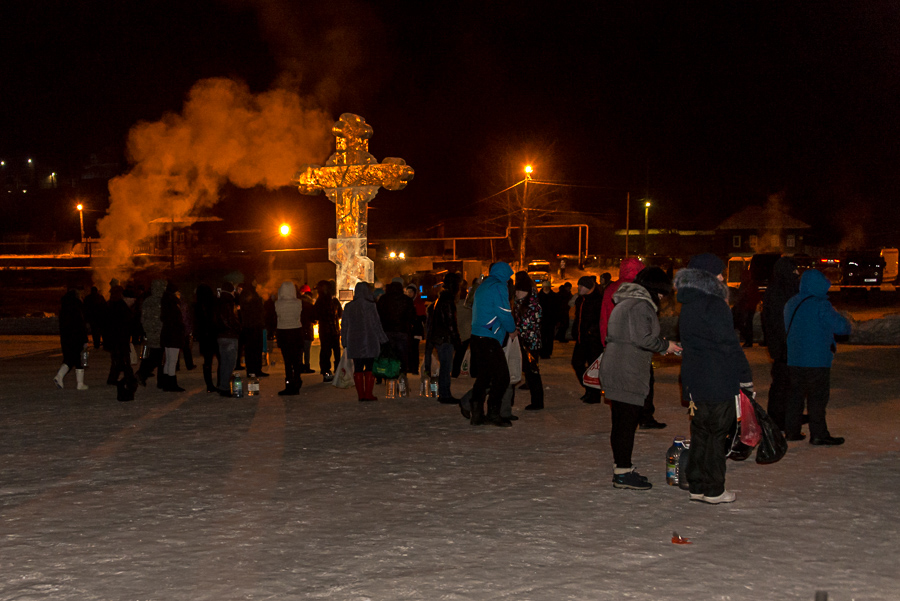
(351, 178)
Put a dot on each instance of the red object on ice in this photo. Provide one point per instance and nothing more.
(677, 540)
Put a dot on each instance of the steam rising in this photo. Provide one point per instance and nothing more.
(225, 133)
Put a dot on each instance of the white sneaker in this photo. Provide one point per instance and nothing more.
(725, 497)
(696, 496)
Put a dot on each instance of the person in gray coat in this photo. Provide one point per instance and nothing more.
(362, 337)
(633, 335)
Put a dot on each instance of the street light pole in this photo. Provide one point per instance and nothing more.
(524, 218)
(80, 208)
(646, 231)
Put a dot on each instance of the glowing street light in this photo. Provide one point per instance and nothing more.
(646, 216)
(393, 255)
(528, 171)
(80, 208)
(285, 229)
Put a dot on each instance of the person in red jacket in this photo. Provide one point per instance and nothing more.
(628, 270)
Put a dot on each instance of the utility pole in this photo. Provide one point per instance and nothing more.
(627, 219)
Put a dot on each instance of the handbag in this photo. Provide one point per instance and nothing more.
(591, 378)
(514, 360)
(343, 375)
(772, 444)
(465, 368)
(387, 365)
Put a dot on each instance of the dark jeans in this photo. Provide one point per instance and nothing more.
(491, 371)
(532, 370)
(649, 408)
(97, 333)
(290, 342)
(562, 328)
(547, 332)
(812, 384)
(330, 345)
(710, 427)
(625, 419)
(413, 360)
(779, 393)
(583, 355)
(445, 356)
(361, 364)
(253, 348)
(398, 341)
(304, 353)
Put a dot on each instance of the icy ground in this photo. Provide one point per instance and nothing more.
(194, 497)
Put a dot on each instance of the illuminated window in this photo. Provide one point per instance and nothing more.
(736, 241)
(791, 241)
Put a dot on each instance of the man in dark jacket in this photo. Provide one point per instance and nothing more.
(783, 285)
(586, 332)
(549, 302)
(253, 322)
(564, 296)
(94, 313)
(397, 313)
(307, 321)
(811, 324)
(228, 330)
(713, 372)
(443, 334)
(117, 340)
(328, 314)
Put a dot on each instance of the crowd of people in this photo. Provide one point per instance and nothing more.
(498, 329)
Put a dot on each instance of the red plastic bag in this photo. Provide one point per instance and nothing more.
(749, 426)
(591, 377)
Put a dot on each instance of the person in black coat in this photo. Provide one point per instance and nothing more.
(205, 331)
(120, 324)
(253, 322)
(171, 336)
(564, 296)
(73, 338)
(95, 313)
(307, 323)
(398, 313)
(784, 284)
(328, 314)
(586, 332)
(549, 302)
(714, 370)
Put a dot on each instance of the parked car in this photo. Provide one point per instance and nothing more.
(539, 272)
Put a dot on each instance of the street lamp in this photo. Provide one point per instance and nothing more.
(646, 231)
(80, 208)
(284, 230)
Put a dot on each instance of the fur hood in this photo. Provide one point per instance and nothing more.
(632, 290)
(701, 281)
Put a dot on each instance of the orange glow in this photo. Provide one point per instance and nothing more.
(528, 169)
(285, 229)
(79, 206)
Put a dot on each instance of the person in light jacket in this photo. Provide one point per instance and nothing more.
(362, 336)
(633, 335)
(289, 309)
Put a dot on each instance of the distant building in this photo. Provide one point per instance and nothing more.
(758, 229)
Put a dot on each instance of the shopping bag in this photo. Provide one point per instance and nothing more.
(750, 431)
(772, 444)
(464, 366)
(737, 450)
(343, 375)
(132, 354)
(514, 360)
(591, 377)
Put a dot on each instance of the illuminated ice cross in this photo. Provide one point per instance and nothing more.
(351, 178)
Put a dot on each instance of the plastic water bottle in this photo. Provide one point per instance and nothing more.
(673, 456)
(433, 391)
(252, 385)
(85, 354)
(237, 385)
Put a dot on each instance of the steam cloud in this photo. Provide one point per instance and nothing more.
(225, 133)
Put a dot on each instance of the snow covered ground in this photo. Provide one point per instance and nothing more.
(194, 497)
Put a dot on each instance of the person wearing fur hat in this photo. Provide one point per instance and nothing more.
(586, 332)
(633, 335)
(713, 372)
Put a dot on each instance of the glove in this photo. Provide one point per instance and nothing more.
(747, 388)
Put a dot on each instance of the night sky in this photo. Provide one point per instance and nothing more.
(706, 107)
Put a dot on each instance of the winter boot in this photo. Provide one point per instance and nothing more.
(207, 377)
(79, 378)
(160, 378)
(359, 379)
(58, 379)
(290, 388)
(370, 384)
(477, 413)
(113, 376)
(171, 384)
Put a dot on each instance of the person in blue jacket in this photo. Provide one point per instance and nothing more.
(811, 324)
(492, 322)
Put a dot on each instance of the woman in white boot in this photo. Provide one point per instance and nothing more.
(72, 337)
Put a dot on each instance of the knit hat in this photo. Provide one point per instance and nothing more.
(524, 281)
(588, 281)
(707, 262)
(397, 280)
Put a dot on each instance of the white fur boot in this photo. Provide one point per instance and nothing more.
(79, 377)
(63, 370)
